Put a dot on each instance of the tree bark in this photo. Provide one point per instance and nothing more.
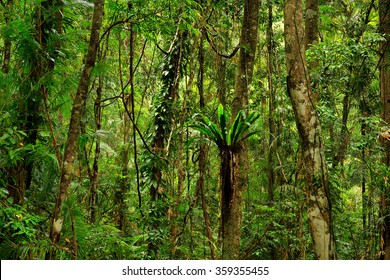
(203, 148)
(271, 118)
(163, 121)
(74, 126)
(232, 198)
(33, 91)
(248, 42)
(384, 28)
(309, 128)
(94, 178)
(312, 34)
(7, 42)
(231, 204)
(221, 79)
(311, 23)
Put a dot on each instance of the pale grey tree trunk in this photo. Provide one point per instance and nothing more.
(308, 124)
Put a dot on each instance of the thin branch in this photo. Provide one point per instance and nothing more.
(205, 33)
(111, 98)
(124, 20)
(161, 50)
(131, 79)
(148, 75)
(140, 57)
(50, 124)
(139, 132)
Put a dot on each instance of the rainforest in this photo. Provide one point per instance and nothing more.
(194, 129)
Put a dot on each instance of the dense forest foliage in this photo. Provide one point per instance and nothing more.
(194, 129)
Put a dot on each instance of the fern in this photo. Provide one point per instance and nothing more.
(223, 136)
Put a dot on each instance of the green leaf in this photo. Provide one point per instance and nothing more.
(222, 121)
(241, 129)
(203, 130)
(249, 135)
(244, 126)
(233, 129)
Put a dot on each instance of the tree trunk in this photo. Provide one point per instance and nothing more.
(312, 34)
(221, 79)
(74, 126)
(311, 23)
(271, 118)
(308, 124)
(94, 178)
(32, 89)
(163, 122)
(384, 27)
(231, 204)
(203, 148)
(7, 42)
(248, 42)
(232, 210)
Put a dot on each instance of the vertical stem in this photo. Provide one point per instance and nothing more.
(271, 120)
(124, 180)
(203, 153)
(364, 193)
(7, 42)
(74, 126)
(132, 96)
(95, 167)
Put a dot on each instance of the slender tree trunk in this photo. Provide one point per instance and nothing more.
(311, 35)
(132, 95)
(363, 130)
(344, 133)
(384, 27)
(74, 126)
(7, 42)
(271, 119)
(33, 91)
(308, 124)
(352, 88)
(203, 149)
(311, 23)
(94, 180)
(248, 41)
(221, 79)
(125, 157)
(181, 173)
(232, 193)
(163, 122)
(272, 142)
